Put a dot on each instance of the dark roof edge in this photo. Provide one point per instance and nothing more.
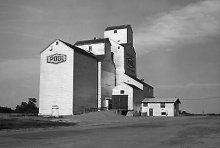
(79, 50)
(133, 86)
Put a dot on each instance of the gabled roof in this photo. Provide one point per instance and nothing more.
(94, 41)
(140, 81)
(161, 100)
(118, 27)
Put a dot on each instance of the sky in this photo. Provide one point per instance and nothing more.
(177, 44)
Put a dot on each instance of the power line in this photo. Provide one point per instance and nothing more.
(202, 98)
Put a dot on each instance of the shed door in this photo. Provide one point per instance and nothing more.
(151, 111)
(120, 102)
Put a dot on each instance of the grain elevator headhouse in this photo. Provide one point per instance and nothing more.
(121, 38)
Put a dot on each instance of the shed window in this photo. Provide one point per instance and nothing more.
(162, 105)
(57, 43)
(90, 48)
(163, 113)
(118, 47)
(122, 91)
(115, 31)
(145, 104)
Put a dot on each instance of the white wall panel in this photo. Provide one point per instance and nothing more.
(119, 37)
(169, 109)
(97, 49)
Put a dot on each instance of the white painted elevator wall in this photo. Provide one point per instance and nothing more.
(56, 81)
(118, 59)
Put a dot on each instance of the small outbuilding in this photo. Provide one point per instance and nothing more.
(160, 107)
(128, 97)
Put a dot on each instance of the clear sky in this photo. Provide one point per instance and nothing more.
(177, 44)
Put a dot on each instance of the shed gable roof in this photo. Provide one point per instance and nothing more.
(161, 100)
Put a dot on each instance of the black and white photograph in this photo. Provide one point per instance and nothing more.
(110, 73)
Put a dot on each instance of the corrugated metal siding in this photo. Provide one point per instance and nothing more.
(85, 83)
(130, 36)
(108, 76)
(108, 83)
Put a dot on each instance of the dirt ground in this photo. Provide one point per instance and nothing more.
(109, 130)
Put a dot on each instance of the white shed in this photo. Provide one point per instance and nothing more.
(160, 107)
